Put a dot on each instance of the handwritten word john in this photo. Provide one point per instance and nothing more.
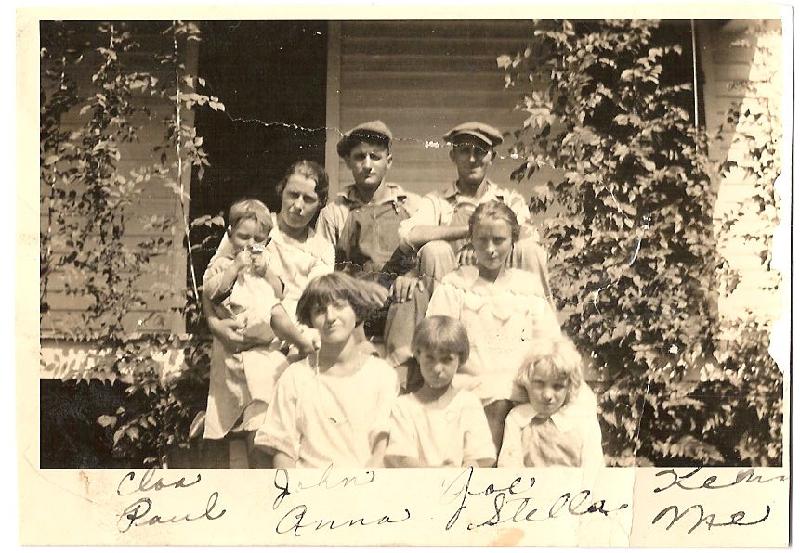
(326, 482)
(297, 519)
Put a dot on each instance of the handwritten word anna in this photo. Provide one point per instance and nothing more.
(297, 519)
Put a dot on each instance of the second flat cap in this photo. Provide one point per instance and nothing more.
(484, 132)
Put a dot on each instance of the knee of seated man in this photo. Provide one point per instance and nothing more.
(529, 255)
(435, 248)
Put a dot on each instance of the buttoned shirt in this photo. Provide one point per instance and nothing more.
(437, 208)
(333, 216)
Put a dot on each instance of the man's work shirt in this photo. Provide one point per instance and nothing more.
(438, 208)
(366, 234)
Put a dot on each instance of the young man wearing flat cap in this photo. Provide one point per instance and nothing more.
(438, 231)
(362, 222)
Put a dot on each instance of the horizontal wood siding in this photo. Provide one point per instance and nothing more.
(164, 279)
(737, 75)
(422, 78)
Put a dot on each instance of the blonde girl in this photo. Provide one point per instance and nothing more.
(557, 426)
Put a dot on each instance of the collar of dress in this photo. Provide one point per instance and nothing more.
(561, 418)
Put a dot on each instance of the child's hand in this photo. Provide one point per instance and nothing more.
(243, 259)
(259, 261)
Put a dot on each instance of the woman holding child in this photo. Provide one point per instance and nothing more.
(286, 253)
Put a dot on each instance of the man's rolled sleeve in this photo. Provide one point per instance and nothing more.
(424, 215)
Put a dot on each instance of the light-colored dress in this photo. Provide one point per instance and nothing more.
(441, 436)
(241, 384)
(501, 319)
(319, 419)
(296, 263)
(570, 437)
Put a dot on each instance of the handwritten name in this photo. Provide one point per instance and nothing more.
(509, 498)
(294, 521)
(691, 481)
(326, 481)
(710, 520)
(297, 520)
(141, 511)
(138, 514)
(146, 483)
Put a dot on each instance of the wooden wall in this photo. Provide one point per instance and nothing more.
(422, 78)
(742, 69)
(165, 273)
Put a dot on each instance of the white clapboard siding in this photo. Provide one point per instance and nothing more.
(165, 276)
(734, 75)
(422, 78)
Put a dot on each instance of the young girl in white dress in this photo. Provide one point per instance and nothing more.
(502, 308)
(332, 408)
(437, 425)
(556, 426)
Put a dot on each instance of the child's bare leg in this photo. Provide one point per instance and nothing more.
(496, 413)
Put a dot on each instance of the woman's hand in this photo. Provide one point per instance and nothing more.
(229, 332)
(306, 346)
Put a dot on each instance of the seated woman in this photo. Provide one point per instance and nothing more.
(295, 253)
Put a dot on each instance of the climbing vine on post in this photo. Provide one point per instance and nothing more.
(96, 100)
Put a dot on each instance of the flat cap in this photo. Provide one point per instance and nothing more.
(371, 130)
(486, 133)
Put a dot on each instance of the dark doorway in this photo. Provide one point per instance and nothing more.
(271, 77)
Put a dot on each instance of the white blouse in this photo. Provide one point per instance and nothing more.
(319, 419)
(501, 319)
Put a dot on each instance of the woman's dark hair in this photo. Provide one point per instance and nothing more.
(363, 296)
(311, 170)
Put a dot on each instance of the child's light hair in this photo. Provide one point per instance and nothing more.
(250, 209)
(555, 356)
(363, 296)
(444, 334)
(495, 209)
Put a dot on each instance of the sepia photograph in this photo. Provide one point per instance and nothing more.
(349, 245)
